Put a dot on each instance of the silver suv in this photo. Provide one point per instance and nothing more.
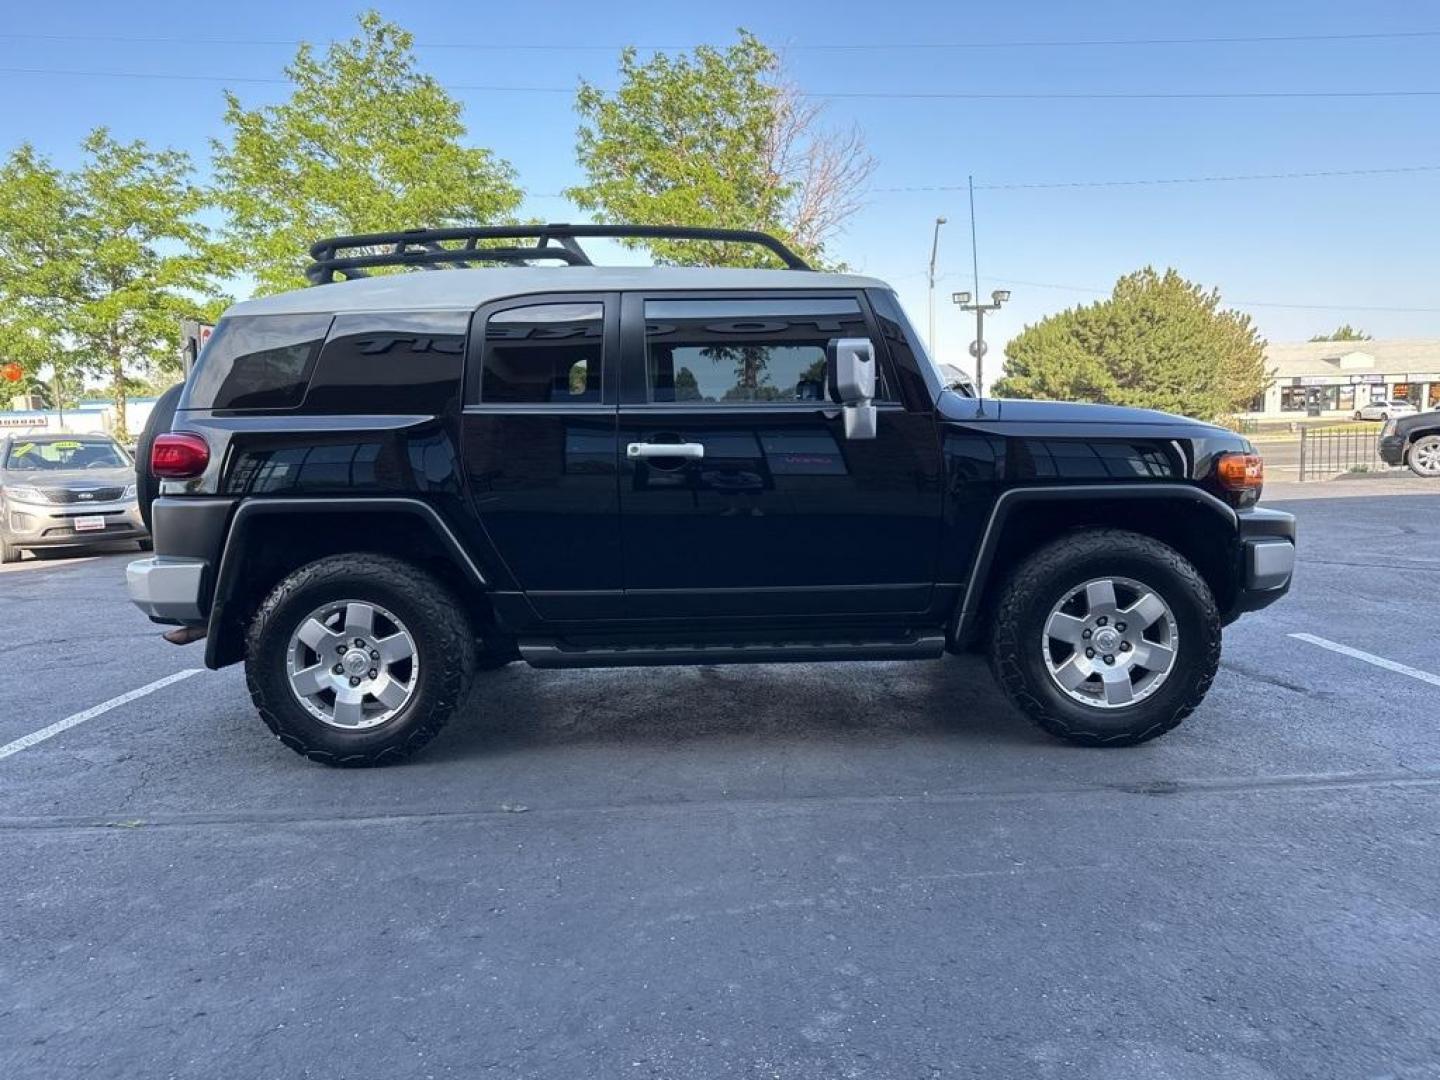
(66, 491)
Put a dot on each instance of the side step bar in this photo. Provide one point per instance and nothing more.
(556, 654)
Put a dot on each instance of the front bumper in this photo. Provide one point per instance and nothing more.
(1267, 558)
(168, 588)
(1392, 450)
(49, 525)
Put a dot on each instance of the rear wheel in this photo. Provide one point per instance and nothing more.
(1423, 457)
(358, 659)
(1106, 638)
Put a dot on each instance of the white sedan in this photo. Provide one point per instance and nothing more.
(1384, 410)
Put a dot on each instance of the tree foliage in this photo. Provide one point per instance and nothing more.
(365, 142)
(98, 265)
(715, 138)
(1346, 332)
(1158, 342)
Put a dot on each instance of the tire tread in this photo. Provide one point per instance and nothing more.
(1007, 635)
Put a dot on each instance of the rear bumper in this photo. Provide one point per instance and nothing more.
(168, 588)
(1392, 450)
(1267, 558)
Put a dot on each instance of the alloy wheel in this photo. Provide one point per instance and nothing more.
(352, 664)
(1425, 456)
(1110, 642)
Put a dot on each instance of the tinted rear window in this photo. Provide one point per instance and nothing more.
(257, 362)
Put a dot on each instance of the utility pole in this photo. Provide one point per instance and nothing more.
(978, 347)
(934, 247)
(962, 300)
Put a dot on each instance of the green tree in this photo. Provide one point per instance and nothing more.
(1158, 342)
(98, 265)
(716, 138)
(1343, 333)
(365, 142)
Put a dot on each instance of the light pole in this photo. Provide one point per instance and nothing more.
(977, 347)
(934, 247)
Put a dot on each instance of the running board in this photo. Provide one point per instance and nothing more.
(553, 654)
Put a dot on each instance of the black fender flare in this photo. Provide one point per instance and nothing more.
(220, 646)
(968, 608)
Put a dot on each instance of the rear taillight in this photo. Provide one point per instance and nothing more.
(179, 455)
(1240, 472)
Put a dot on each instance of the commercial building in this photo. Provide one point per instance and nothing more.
(1338, 377)
(86, 418)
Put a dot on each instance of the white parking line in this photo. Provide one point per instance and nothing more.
(1370, 658)
(27, 741)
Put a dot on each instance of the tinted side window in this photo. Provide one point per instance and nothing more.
(257, 362)
(391, 362)
(744, 352)
(543, 353)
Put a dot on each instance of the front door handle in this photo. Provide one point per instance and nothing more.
(691, 450)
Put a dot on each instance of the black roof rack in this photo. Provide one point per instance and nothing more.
(431, 249)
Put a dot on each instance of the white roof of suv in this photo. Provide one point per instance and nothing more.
(459, 289)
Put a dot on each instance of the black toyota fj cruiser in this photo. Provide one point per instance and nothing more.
(372, 488)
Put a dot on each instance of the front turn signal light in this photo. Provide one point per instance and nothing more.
(1240, 472)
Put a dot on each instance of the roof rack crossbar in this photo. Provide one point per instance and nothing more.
(426, 248)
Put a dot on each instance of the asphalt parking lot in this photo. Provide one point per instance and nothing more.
(863, 870)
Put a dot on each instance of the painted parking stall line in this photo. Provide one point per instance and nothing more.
(1369, 658)
(27, 741)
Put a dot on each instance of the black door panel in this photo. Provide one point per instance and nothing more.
(540, 452)
(782, 516)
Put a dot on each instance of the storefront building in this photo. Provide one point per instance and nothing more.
(1338, 377)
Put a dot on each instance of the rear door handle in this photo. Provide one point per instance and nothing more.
(691, 450)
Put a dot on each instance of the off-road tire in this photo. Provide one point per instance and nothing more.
(162, 415)
(444, 639)
(1024, 603)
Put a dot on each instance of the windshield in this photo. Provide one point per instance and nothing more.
(37, 456)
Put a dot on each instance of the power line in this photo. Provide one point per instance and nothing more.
(1242, 303)
(877, 95)
(1171, 180)
(867, 46)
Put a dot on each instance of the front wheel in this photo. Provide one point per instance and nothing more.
(358, 659)
(1423, 457)
(8, 552)
(1106, 638)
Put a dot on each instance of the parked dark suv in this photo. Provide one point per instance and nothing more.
(1413, 441)
(375, 487)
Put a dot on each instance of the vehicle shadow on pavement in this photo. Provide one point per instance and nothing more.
(518, 707)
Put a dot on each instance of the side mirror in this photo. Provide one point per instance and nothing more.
(850, 364)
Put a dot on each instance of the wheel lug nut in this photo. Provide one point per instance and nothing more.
(374, 655)
(1086, 634)
(1101, 621)
(359, 642)
(1089, 654)
(1124, 646)
(373, 673)
(339, 650)
(339, 669)
(1120, 626)
(1109, 659)
(354, 680)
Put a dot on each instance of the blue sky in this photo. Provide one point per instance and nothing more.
(1343, 244)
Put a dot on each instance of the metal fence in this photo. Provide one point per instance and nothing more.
(1331, 451)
